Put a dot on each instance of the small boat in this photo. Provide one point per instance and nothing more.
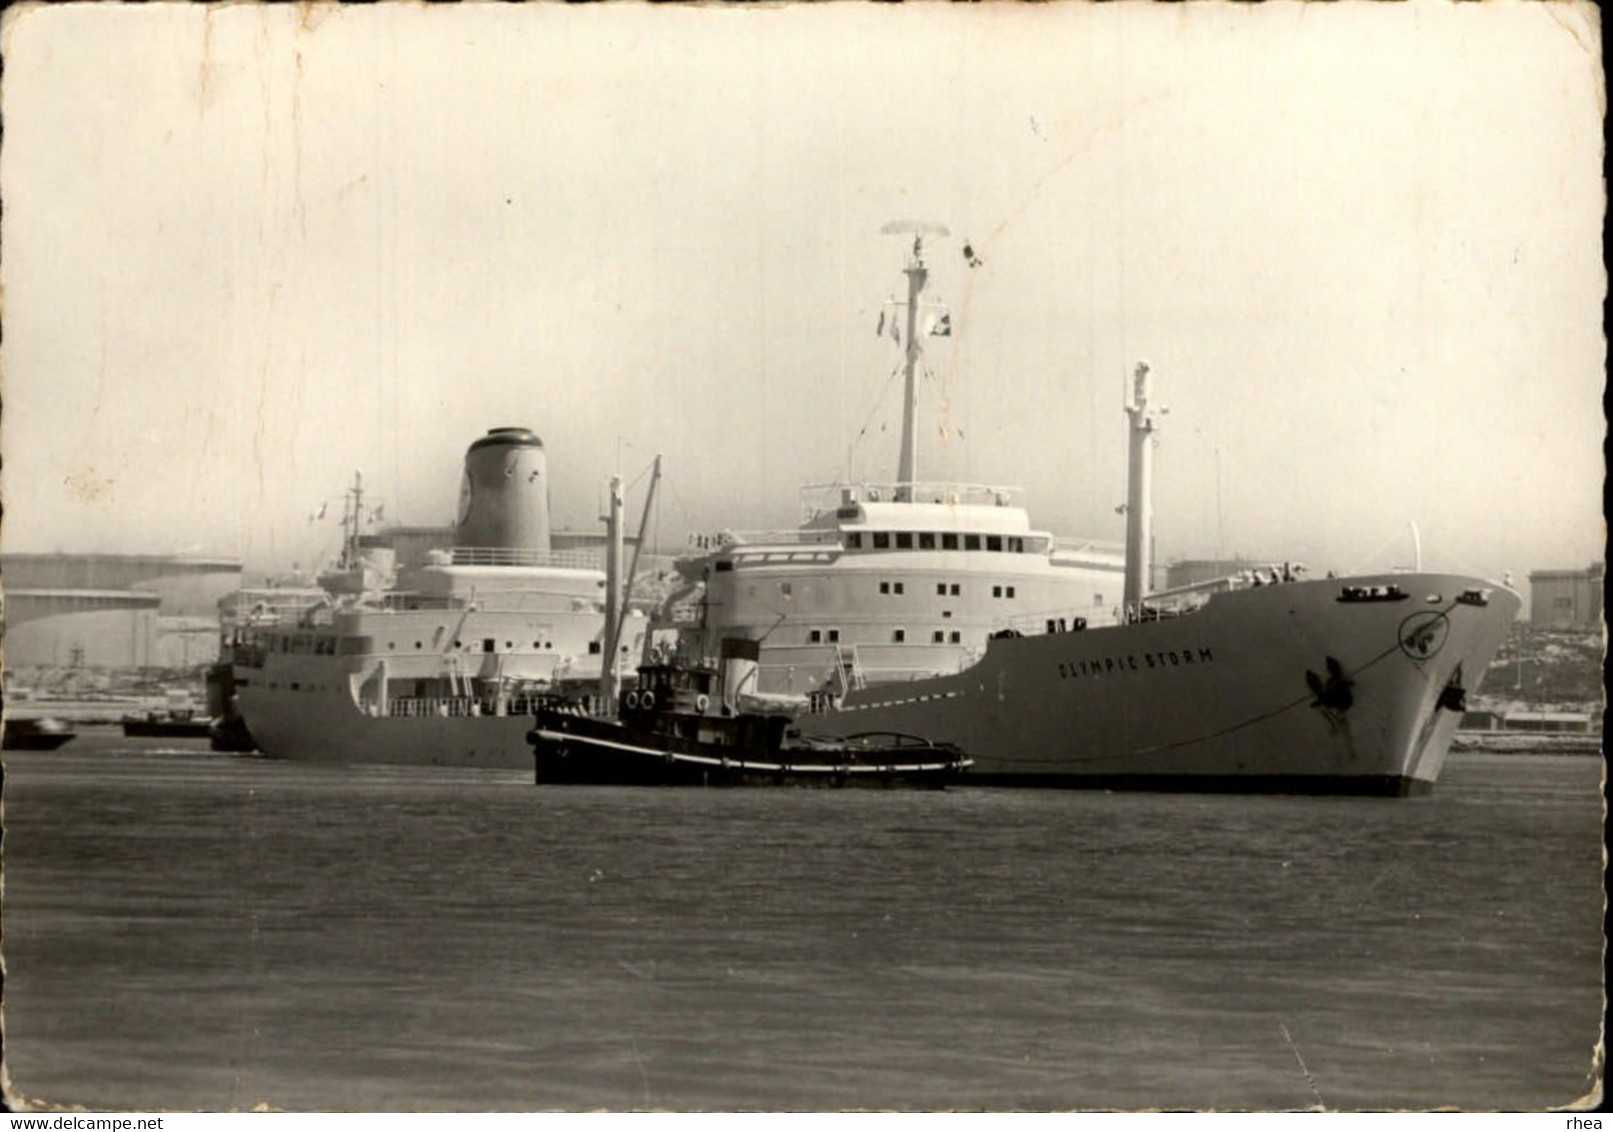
(181, 724)
(667, 734)
(37, 734)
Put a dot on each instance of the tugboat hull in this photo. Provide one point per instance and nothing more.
(573, 749)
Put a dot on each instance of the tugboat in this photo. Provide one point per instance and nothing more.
(678, 728)
(179, 723)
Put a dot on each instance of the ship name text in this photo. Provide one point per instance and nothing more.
(1135, 662)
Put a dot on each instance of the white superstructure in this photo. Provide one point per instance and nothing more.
(441, 666)
(893, 581)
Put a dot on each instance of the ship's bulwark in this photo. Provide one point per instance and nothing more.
(1283, 687)
(287, 725)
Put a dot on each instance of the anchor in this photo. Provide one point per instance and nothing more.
(1333, 695)
(1453, 696)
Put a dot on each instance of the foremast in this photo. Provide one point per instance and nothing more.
(917, 275)
(352, 524)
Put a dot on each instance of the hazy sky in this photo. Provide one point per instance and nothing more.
(249, 250)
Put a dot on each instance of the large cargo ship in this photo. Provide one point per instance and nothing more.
(438, 664)
(1328, 686)
(927, 610)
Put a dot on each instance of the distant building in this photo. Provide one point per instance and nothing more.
(1567, 598)
(113, 611)
(83, 628)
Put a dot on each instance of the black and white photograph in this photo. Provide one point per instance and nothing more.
(809, 557)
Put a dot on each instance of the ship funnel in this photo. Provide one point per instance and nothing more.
(504, 497)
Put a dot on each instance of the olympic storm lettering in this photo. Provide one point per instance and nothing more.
(1135, 662)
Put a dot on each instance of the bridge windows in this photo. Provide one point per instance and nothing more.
(928, 540)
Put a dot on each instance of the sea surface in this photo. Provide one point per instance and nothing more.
(189, 930)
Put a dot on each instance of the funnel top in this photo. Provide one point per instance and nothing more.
(511, 437)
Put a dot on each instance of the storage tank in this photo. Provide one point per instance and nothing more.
(504, 496)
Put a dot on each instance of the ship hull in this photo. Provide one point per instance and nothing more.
(329, 728)
(1292, 687)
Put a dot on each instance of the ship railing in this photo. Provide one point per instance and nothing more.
(424, 707)
(523, 556)
(1154, 609)
(1047, 622)
(593, 707)
(817, 499)
(454, 707)
(721, 540)
(1256, 574)
(843, 670)
(1097, 548)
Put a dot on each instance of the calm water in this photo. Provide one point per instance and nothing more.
(189, 930)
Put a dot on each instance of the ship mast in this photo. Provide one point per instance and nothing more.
(613, 596)
(917, 274)
(352, 518)
(1139, 493)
